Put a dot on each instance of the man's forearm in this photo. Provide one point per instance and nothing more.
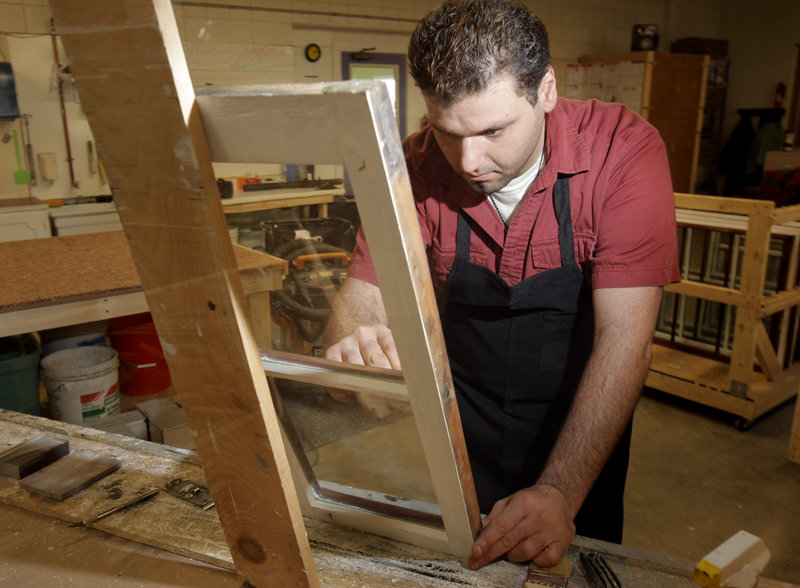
(607, 394)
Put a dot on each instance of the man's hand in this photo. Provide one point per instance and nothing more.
(367, 345)
(532, 524)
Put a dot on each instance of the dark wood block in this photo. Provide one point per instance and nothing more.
(70, 475)
(32, 455)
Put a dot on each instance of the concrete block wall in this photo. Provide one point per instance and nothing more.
(262, 41)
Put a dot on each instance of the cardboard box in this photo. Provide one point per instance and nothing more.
(131, 424)
(166, 422)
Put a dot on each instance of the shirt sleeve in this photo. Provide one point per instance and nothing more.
(637, 235)
(361, 262)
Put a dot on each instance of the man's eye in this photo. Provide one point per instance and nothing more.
(492, 132)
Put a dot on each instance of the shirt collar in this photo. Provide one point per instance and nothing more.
(567, 152)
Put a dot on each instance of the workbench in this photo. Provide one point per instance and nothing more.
(60, 281)
(282, 198)
(169, 542)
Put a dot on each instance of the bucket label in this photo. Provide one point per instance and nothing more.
(100, 404)
(83, 408)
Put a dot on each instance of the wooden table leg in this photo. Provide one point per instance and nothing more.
(258, 303)
(794, 440)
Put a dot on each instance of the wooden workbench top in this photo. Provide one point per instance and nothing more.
(343, 557)
(55, 270)
(170, 543)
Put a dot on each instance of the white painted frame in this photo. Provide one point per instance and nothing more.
(352, 123)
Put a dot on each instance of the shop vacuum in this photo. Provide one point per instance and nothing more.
(318, 252)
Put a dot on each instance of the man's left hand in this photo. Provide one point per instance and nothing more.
(532, 524)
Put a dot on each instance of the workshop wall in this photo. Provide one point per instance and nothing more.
(262, 41)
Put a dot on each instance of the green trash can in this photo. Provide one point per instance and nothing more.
(19, 373)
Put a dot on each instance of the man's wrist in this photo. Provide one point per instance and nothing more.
(554, 485)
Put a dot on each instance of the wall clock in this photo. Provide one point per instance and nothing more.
(312, 52)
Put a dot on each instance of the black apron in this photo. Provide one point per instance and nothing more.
(516, 354)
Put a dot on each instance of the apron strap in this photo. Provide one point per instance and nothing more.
(463, 237)
(564, 217)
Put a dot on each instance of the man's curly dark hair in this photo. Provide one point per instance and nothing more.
(459, 48)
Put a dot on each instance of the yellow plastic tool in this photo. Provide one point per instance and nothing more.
(737, 563)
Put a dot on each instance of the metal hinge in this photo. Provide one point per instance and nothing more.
(191, 492)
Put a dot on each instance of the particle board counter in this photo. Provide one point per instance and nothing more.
(60, 281)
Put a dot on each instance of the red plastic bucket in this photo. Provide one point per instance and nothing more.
(142, 366)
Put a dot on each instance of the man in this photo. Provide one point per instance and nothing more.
(550, 229)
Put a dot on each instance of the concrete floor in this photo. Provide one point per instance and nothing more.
(694, 481)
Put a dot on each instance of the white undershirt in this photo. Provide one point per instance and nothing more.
(507, 198)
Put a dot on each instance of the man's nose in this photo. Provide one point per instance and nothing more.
(471, 154)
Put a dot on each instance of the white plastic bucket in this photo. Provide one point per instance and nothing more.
(73, 336)
(82, 383)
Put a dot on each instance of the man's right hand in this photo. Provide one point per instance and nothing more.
(357, 333)
(372, 346)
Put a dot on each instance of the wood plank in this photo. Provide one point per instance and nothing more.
(707, 396)
(712, 292)
(132, 79)
(160, 522)
(787, 214)
(780, 301)
(274, 199)
(70, 475)
(71, 313)
(32, 455)
(723, 204)
(765, 352)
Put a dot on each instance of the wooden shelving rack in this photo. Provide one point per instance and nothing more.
(667, 89)
(759, 374)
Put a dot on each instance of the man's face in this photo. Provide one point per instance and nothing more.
(492, 137)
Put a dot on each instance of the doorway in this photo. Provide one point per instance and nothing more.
(390, 68)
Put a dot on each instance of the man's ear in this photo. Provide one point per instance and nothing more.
(547, 93)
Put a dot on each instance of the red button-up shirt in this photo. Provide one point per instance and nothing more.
(621, 196)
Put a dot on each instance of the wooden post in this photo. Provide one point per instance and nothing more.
(794, 439)
(135, 87)
(754, 269)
